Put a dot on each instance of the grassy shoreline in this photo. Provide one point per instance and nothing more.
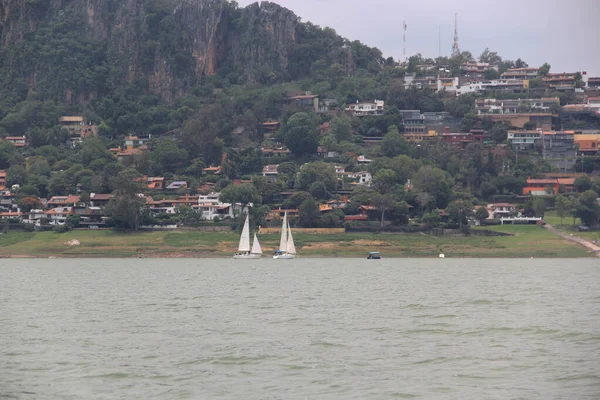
(528, 241)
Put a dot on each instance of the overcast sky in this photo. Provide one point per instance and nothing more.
(566, 34)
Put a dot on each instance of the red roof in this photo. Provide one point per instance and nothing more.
(566, 181)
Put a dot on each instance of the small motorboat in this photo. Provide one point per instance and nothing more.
(374, 255)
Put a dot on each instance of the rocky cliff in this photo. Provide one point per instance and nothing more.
(167, 45)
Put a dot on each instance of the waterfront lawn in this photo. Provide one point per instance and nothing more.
(528, 241)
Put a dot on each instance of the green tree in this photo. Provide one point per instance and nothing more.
(435, 182)
(59, 184)
(539, 206)
(490, 57)
(319, 191)
(317, 172)
(166, 156)
(385, 180)
(341, 128)
(583, 183)
(401, 211)
(7, 154)
(300, 134)
(308, 213)
(243, 194)
(125, 207)
(296, 199)
(544, 69)
(383, 203)
(431, 220)
(393, 144)
(588, 209)
(16, 175)
(459, 211)
(481, 215)
(563, 205)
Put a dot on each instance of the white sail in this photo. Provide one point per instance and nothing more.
(256, 246)
(245, 237)
(291, 248)
(283, 240)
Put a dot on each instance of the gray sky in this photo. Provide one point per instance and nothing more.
(566, 34)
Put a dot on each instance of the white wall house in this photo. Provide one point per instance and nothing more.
(59, 215)
(209, 206)
(366, 108)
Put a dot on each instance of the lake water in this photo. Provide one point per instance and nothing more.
(300, 329)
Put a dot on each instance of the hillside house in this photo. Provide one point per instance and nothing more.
(77, 128)
(502, 210)
(69, 201)
(521, 73)
(271, 171)
(305, 101)
(17, 141)
(2, 177)
(210, 207)
(58, 215)
(558, 147)
(366, 109)
(100, 199)
(524, 139)
(177, 185)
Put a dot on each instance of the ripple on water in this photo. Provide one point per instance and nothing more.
(466, 329)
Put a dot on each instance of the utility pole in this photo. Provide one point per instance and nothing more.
(455, 49)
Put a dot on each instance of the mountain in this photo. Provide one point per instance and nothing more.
(75, 51)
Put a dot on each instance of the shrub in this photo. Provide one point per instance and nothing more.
(61, 228)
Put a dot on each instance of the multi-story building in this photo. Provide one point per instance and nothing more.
(561, 81)
(496, 85)
(2, 177)
(366, 109)
(476, 69)
(558, 147)
(524, 139)
(413, 121)
(421, 82)
(521, 73)
(78, 128)
(514, 106)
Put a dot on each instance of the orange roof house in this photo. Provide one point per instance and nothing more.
(63, 201)
(17, 141)
(541, 187)
(2, 177)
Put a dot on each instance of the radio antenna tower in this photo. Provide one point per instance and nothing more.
(455, 50)
(404, 39)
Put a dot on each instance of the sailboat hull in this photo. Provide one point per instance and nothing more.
(246, 256)
(284, 256)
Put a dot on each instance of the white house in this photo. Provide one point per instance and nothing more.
(59, 215)
(363, 178)
(34, 217)
(209, 206)
(366, 108)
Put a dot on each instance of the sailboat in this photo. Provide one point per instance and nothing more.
(287, 249)
(244, 251)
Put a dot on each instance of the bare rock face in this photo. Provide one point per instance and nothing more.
(206, 36)
(269, 32)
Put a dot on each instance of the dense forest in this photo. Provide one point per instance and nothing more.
(193, 74)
